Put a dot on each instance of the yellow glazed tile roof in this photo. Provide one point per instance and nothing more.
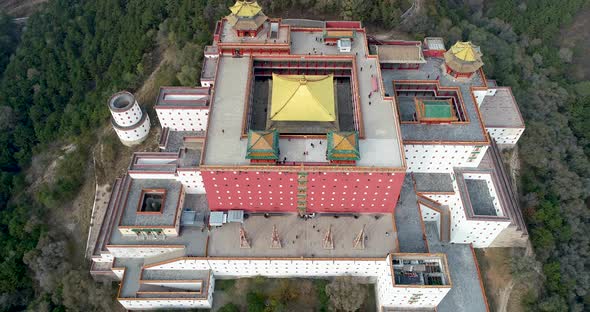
(262, 141)
(245, 8)
(464, 57)
(303, 98)
(466, 51)
(344, 143)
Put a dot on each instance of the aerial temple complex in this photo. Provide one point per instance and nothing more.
(312, 149)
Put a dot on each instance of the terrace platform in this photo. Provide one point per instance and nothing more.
(131, 215)
(407, 219)
(228, 35)
(466, 295)
(501, 110)
(433, 182)
(481, 200)
(304, 238)
(380, 139)
(225, 145)
(464, 132)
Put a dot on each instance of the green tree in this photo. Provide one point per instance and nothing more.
(346, 294)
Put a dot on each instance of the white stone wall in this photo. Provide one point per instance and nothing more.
(134, 135)
(129, 117)
(293, 268)
(402, 296)
(387, 294)
(182, 264)
(141, 251)
(183, 119)
(431, 215)
(169, 232)
(442, 158)
(206, 82)
(480, 233)
(150, 175)
(119, 272)
(279, 268)
(508, 136)
(186, 285)
(481, 94)
(417, 296)
(192, 181)
(104, 257)
(163, 303)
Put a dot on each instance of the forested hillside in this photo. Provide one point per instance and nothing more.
(71, 57)
(75, 53)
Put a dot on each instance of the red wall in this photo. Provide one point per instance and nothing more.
(247, 190)
(433, 53)
(353, 192)
(274, 191)
(343, 24)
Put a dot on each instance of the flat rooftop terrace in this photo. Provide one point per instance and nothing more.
(471, 131)
(481, 199)
(183, 96)
(501, 110)
(228, 35)
(131, 217)
(209, 67)
(193, 238)
(141, 283)
(380, 147)
(466, 295)
(304, 238)
(178, 140)
(224, 145)
(174, 275)
(433, 182)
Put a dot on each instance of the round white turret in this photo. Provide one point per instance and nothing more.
(131, 124)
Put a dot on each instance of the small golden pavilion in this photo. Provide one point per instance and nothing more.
(463, 59)
(246, 18)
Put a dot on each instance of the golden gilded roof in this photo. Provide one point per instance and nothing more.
(246, 23)
(303, 98)
(344, 142)
(466, 51)
(245, 8)
(343, 146)
(464, 57)
(263, 145)
(262, 141)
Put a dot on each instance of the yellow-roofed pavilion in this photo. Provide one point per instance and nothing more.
(463, 59)
(246, 18)
(245, 8)
(303, 98)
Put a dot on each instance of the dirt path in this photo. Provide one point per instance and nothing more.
(504, 296)
(502, 291)
(106, 170)
(148, 91)
(412, 11)
(101, 202)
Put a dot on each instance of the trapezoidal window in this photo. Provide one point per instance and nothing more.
(151, 201)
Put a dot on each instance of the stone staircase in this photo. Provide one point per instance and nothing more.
(302, 193)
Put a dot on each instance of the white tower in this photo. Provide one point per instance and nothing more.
(130, 122)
